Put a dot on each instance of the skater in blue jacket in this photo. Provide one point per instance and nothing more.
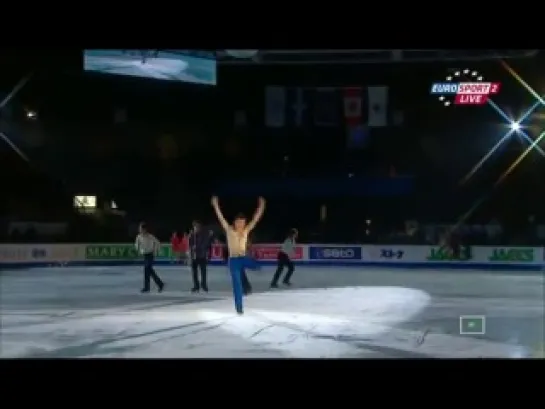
(237, 239)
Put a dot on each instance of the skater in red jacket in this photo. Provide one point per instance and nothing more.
(180, 246)
(185, 247)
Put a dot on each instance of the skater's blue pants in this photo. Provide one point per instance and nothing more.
(236, 264)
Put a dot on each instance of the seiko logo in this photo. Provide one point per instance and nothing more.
(338, 253)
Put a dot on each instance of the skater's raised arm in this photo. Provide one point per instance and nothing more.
(219, 214)
(257, 215)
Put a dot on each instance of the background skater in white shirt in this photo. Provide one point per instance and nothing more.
(286, 253)
(148, 245)
(237, 239)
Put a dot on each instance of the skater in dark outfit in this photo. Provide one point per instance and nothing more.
(237, 238)
(199, 248)
(286, 253)
(455, 243)
(451, 242)
(148, 245)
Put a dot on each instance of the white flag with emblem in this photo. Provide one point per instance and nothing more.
(275, 107)
(378, 106)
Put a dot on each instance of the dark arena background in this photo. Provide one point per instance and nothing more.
(421, 222)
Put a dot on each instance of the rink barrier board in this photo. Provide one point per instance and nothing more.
(428, 266)
(403, 256)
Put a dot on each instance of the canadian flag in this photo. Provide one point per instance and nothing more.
(352, 105)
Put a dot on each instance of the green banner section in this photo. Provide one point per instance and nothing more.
(445, 254)
(518, 254)
(120, 252)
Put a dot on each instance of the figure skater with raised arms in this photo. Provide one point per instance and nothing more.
(237, 238)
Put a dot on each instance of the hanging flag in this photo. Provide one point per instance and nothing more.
(352, 105)
(378, 106)
(326, 106)
(357, 133)
(275, 107)
(299, 107)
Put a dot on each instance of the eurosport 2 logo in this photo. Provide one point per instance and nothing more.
(464, 87)
(335, 253)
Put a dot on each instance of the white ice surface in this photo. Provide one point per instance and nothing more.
(79, 313)
(158, 68)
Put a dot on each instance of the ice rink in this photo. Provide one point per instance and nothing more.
(88, 312)
(187, 69)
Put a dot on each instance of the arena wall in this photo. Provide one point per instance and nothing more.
(406, 256)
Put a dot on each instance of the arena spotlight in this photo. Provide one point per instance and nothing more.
(515, 126)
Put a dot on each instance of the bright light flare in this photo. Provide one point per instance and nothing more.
(522, 82)
(514, 126)
(481, 162)
(520, 130)
(519, 159)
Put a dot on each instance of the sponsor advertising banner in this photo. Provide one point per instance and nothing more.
(529, 255)
(13, 253)
(269, 252)
(438, 253)
(335, 253)
(402, 255)
(120, 252)
(40, 253)
(391, 253)
(65, 252)
(216, 253)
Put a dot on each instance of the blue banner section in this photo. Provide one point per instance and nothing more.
(334, 253)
